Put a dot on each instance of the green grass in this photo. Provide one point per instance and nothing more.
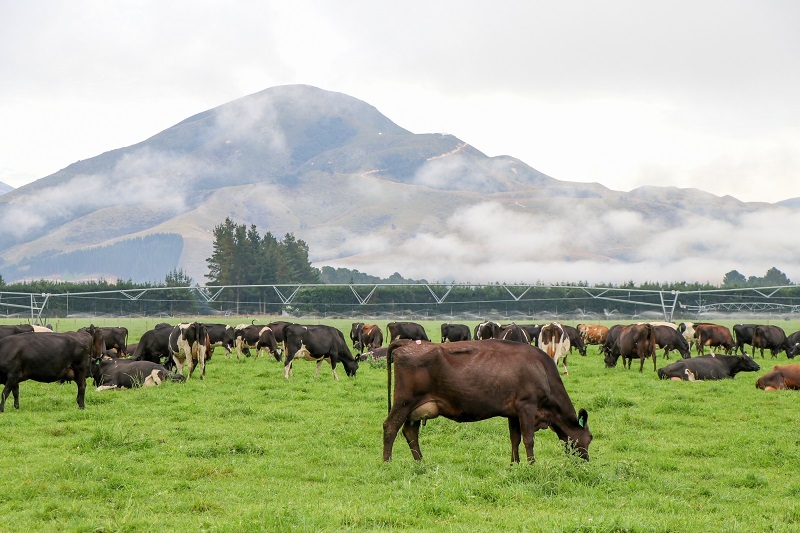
(248, 450)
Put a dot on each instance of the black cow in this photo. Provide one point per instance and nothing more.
(794, 341)
(708, 367)
(575, 339)
(476, 380)
(128, 374)
(635, 341)
(455, 333)
(406, 330)
(669, 338)
(487, 330)
(188, 345)
(317, 343)
(116, 338)
(774, 339)
(742, 334)
(154, 345)
(7, 331)
(220, 335)
(514, 333)
(48, 358)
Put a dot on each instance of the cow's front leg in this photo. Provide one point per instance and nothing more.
(527, 424)
(80, 379)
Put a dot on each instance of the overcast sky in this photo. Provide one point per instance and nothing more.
(625, 93)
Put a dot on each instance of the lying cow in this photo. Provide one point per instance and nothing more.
(128, 374)
(476, 380)
(708, 367)
(781, 378)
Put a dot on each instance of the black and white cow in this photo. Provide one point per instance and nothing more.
(188, 345)
(259, 337)
(317, 343)
(220, 335)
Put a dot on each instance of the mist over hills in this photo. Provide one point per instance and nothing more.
(366, 194)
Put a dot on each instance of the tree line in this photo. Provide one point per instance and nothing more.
(241, 255)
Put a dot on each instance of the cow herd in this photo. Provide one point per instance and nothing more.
(456, 378)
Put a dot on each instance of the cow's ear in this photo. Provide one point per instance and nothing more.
(583, 418)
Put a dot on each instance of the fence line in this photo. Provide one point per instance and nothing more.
(754, 300)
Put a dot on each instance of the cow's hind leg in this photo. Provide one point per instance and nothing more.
(516, 436)
(411, 433)
(12, 387)
(397, 416)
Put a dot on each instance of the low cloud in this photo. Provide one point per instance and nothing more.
(138, 179)
(492, 242)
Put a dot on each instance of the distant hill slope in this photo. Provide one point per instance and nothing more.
(365, 194)
(4, 188)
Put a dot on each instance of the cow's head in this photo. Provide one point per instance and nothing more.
(579, 438)
(747, 364)
(610, 360)
(793, 350)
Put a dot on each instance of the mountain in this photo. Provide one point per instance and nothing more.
(4, 188)
(365, 194)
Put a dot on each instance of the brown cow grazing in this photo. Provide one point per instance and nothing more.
(713, 335)
(476, 380)
(781, 378)
(555, 343)
(593, 333)
(55, 357)
(634, 341)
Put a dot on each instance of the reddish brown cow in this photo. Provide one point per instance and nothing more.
(474, 380)
(593, 333)
(781, 378)
(713, 335)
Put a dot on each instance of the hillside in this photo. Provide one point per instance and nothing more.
(365, 194)
(4, 188)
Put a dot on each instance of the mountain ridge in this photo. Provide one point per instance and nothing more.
(361, 190)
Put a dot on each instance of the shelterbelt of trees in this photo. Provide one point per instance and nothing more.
(243, 256)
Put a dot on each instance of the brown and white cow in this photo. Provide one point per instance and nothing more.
(781, 378)
(555, 343)
(592, 333)
(475, 380)
(366, 336)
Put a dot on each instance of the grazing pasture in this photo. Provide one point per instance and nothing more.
(248, 450)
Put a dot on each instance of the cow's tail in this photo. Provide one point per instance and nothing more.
(389, 376)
